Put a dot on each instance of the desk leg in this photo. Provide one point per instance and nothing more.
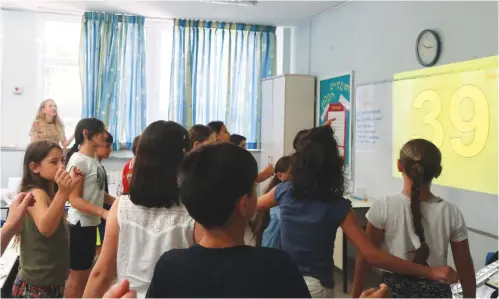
(345, 266)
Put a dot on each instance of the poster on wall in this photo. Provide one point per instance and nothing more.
(335, 102)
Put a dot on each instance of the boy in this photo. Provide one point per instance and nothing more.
(221, 265)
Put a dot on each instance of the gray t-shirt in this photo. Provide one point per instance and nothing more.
(93, 188)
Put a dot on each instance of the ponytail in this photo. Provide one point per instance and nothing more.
(417, 177)
(70, 152)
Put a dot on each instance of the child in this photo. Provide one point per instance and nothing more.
(312, 208)
(417, 226)
(103, 152)
(44, 252)
(126, 175)
(87, 201)
(268, 231)
(150, 219)
(238, 140)
(220, 130)
(17, 210)
(201, 135)
(221, 266)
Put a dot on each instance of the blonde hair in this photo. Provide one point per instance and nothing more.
(40, 116)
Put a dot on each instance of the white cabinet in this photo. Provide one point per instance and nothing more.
(287, 107)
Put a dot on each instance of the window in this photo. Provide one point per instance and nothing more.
(158, 68)
(60, 69)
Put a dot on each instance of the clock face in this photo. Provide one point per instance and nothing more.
(428, 48)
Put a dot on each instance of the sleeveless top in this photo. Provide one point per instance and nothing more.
(44, 260)
(42, 130)
(145, 234)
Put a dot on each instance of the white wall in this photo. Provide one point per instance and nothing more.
(21, 54)
(377, 40)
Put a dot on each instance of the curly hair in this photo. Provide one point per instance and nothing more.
(317, 170)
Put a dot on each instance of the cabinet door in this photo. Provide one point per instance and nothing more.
(278, 114)
(266, 122)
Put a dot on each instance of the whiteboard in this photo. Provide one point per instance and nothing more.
(374, 163)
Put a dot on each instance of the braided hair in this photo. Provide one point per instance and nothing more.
(421, 162)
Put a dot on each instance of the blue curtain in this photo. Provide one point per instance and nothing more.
(112, 71)
(217, 70)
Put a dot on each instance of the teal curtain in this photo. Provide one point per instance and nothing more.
(112, 67)
(217, 70)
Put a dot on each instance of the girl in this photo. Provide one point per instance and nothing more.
(267, 225)
(44, 262)
(201, 135)
(48, 125)
(126, 174)
(87, 201)
(150, 220)
(312, 208)
(417, 226)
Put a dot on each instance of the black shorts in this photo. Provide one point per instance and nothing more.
(82, 245)
(102, 225)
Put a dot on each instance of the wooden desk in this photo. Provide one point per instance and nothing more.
(340, 255)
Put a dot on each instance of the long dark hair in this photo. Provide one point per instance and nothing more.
(160, 152)
(298, 137)
(93, 126)
(35, 153)
(317, 171)
(421, 162)
(262, 219)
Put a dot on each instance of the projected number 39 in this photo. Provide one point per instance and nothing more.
(471, 123)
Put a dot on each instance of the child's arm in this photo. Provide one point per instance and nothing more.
(109, 199)
(47, 214)
(361, 266)
(14, 222)
(266, 173)
(465, 268)
(266, 201)
(379, 258)
(84, 206)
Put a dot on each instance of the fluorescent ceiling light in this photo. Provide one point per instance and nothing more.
(234, 2)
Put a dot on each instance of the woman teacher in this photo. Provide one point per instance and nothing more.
(48, 125)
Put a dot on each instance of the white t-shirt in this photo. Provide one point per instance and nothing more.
(442, 223)
(145, 234)
(93, 188)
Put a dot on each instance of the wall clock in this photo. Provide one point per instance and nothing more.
(428, 48)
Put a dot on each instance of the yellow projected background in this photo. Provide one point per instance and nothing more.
(455, 107)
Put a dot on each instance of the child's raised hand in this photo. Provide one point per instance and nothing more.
(445, 274)
(76, 177)
(329, 122)
(269, 170)
(63, 181)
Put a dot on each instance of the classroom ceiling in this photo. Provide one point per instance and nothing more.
(279, 13)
